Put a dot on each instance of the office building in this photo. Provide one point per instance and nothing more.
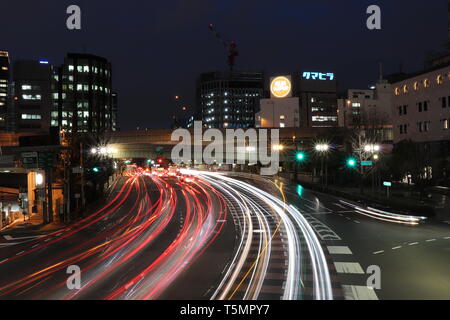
(368, 109)
(229, 99)
(318, 100)
(33, 96)
(4, 88)
(85, 101)
(305, 100)
(421, 106)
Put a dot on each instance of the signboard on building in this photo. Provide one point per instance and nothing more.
(281, 87)
(329, 76)
(387, 184)
(366, 163)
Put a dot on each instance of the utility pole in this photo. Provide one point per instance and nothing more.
(83, 200)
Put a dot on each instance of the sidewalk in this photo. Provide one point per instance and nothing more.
(33, 225)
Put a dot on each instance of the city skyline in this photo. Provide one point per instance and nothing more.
(262, 43)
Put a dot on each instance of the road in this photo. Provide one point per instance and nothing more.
(414, 260)
(216, 236)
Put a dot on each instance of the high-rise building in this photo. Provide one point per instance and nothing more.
(4, 88)
(229, 99)
(114, 119)
(33, 96)
(85, 100)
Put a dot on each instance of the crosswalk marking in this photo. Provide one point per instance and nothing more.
(359, 293)
(339, 250)
(348, 267)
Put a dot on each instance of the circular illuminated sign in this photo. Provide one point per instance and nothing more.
(281, 87)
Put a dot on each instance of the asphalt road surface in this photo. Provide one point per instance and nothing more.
(215, 236)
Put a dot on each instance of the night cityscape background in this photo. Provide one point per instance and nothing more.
(225, 150)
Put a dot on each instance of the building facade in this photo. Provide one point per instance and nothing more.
(84, 100)
(421, 106)
(370, 108)
(305, 100)
(318, 100)
(33, 96)
(229, 99)
(4, 88)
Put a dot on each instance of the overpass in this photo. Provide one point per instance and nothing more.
(157, 142)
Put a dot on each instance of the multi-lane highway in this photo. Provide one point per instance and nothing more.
(217, 236)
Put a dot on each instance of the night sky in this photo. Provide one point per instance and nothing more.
(158, 48)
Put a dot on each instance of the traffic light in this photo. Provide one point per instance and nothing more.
(300, 156)
(160, 160)
(96, 170)
(351, 162)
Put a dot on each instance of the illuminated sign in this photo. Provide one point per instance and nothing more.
(318, 76)
(281, 87)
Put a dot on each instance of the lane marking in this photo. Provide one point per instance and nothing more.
(339, 250)
(413, 244)
(348, 267)
(9, 238)
(359, 293)
(430, 240)
(395, 248)
(378, 252)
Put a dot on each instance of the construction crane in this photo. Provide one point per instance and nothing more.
(230, 45)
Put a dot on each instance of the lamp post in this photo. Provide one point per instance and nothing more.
(322, 149)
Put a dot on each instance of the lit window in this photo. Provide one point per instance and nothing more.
(86, 68)
(426, 83)
(26, 87)
(71, 68)
(416, 86)
(440, 79)
(446, 124)
(31, 97)
(282, 117)
(405, 88)
(397, 91)
(282, 125)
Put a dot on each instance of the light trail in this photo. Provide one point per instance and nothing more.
(293, 223)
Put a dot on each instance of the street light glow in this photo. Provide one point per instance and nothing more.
(322, 147)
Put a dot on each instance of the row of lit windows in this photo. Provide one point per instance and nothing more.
(324, 118)
(34, 97)
(31, 117)
(418, 84)
(87, 69)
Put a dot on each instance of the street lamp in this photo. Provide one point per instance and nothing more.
(372, 148)
(278, 147)
(322, 149)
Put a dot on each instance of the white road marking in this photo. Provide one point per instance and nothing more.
(413, 243)
(8, 244)
(9, 238)
(339, 250)
(430, 240)
(359, 293)
(447, 238)
(348, 267)
(378, 252)
(19, 253)
(356, 221)
(395, 248)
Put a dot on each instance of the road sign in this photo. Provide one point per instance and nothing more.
(30, 160)
(387, 184)
(77, 170)
(46, 160)
(366, 163)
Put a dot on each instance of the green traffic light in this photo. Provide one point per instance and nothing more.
(300, 156)
(351, 162)
(96, 170)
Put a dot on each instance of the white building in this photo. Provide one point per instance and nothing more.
(278, 113)
(368, 108)
(421, 106)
